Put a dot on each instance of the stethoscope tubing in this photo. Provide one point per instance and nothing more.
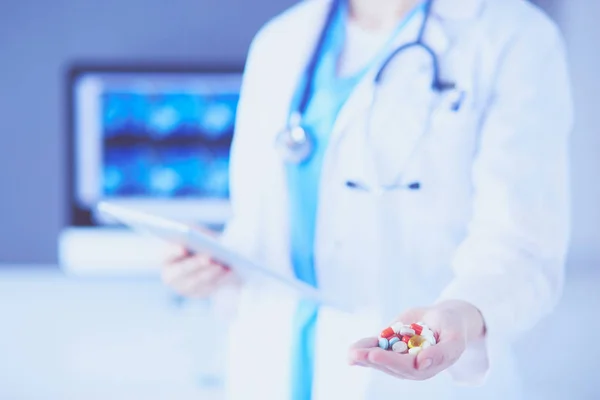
(299, 147)
(437, 84)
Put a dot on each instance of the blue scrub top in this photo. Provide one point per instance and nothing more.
(328, 95)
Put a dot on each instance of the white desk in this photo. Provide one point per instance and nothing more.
(103, 339)
(127, 339)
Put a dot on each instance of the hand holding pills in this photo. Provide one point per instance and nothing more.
(410, 339)
(422, 342)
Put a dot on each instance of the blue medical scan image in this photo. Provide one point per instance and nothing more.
(167, 145)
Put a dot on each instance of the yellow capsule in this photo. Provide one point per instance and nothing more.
(416, 341)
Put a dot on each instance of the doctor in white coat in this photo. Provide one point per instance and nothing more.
(405, 157)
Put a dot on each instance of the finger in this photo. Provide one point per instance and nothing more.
(386, 370)
(360, 357)
(174, 271)
(177, 253)
(211, 274)
(441, 356)
(217, 262)
(359, 351)
(194, 263)
(184, 268)
(399, 364)
(207, 274)
(403, 365)
(227, 277)
(201, 283)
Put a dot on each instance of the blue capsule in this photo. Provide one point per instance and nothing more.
(393, 340)
(384, 343)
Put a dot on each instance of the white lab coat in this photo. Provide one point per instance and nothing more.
(490, 224)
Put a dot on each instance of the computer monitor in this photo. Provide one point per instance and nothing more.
(153, 137)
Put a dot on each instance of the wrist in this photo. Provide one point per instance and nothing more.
(473, 320)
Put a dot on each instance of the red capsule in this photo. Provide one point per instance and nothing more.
(417, 328)
(387, 333)
(405, 339)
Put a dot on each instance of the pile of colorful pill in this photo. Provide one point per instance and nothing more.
(410, 339)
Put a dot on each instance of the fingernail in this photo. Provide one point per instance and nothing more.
(425, 364)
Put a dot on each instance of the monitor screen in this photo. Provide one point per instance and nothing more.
(157, 138)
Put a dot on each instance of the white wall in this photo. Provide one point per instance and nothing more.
(579, 21)
(37, 40)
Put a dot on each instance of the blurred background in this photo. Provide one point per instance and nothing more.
(134, 100)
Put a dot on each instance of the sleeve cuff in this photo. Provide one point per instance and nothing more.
(473, 367)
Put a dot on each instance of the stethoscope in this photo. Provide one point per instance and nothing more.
(297, 145)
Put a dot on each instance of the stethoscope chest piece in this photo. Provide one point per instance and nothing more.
(295, 144)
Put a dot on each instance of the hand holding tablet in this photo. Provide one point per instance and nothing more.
(208, 258)
(195, 275)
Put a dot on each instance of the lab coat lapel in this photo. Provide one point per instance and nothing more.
(435, 37)
(362, 96)
(304, 44)
(290, 76)
(402, 104)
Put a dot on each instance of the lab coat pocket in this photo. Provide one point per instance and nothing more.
(427, 241)
(356, 236)
(449, 145)
(453, 113)
(399, 134)
(397, 125)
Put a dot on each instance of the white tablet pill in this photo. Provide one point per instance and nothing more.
(414, 351)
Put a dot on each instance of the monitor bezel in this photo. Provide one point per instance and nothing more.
(76, 215)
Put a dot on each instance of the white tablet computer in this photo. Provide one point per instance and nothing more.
(196, 240)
